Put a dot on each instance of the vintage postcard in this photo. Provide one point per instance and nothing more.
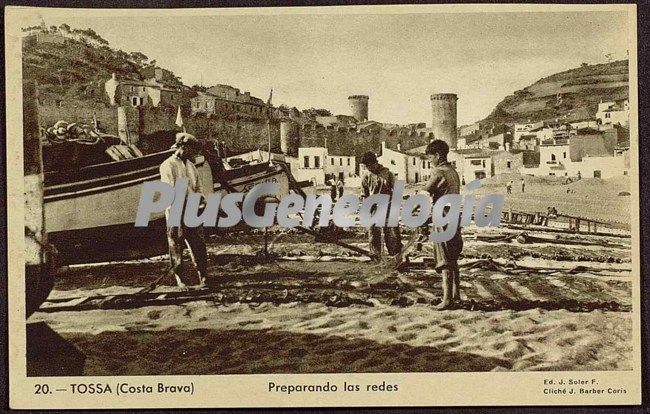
(323, 206)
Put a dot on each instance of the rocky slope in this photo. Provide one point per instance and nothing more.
(569, 95)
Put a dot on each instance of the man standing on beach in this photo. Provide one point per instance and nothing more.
(523, 185)
(444, 180)
(332, 184)
(509, 187)
(181, 165)
(379, 180)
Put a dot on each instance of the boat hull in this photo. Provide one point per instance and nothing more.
(91, 220)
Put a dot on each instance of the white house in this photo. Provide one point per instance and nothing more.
(526, 129)
(614, 113)
(341, 166)
(477, 165)
(311, 164)
(412, 166)
(315, 164)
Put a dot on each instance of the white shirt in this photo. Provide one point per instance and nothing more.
(174, 168)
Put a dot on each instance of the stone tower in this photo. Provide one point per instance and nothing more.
(359, 107)
(287, 131)
(443, 117)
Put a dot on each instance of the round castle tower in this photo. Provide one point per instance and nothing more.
(287, 130)
(359, 107)
(443, 119)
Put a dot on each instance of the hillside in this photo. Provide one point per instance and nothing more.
(68, 60)
(572, 95)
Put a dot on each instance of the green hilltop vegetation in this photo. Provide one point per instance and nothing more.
(571, 95)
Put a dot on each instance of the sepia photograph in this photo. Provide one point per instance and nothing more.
(232, 193)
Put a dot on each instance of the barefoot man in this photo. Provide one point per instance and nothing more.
(445, 180)
(181, 165)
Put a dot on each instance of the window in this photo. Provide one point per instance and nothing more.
(413, 161)
(509, 164)
(483, 163)
(306, 161)
(348, 162)
(552, 157)
(475, 162)
(341, 161)
(316, 162)
(331, 161)
(564, 154)
(429, 164)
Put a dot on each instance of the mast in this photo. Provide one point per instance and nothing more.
(268, 124)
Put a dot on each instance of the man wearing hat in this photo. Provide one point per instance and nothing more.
(181, 165)
(379, 180)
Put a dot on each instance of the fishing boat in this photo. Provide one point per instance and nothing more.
(90, 211)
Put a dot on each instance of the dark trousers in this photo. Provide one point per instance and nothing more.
(392, 238)
(195, 240)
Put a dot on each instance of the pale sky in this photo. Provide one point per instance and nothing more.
(396, 59)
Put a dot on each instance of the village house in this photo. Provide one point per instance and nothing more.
(528, 142)
(152, 93)
(512, 161)
(223, 99)
(472, 163)
(589, 153)
(501, 141)
(316, 164)
(341, 166)
(466, 130)
(411, 166)
(526, 129)
(614, 113)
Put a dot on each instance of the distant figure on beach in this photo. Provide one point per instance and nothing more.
(523, 185)
(579, 175)
(444, 180)
(332, 183)
(181, 165)
(379, 180)
(509, 187)
(339, 186)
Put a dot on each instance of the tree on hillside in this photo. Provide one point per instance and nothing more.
(30, 28)
(316, 112)
(138, 58)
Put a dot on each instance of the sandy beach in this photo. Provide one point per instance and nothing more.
(564, 304)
